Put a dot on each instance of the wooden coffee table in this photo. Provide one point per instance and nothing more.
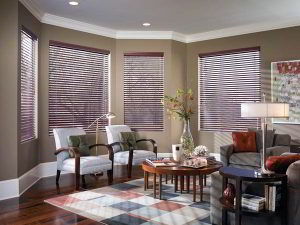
(178, 171)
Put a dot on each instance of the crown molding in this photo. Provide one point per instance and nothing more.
(33, 8)
(77, 25)
(170, 35)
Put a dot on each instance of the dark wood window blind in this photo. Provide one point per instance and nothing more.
(78, 86)
(143, 91)
(28, 111)
(225, 80)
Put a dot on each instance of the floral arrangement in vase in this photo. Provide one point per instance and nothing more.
(180, 107)
(200, 150)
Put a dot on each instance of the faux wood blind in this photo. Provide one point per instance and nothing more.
(78, 86)
(143, 91)
(28, 112)
(226, 79)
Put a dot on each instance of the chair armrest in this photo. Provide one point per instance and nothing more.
(109, 149)
(152, 142)
(72, 149)
(277, 150)
(225, 153)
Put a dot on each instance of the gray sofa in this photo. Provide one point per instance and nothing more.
(252, 161)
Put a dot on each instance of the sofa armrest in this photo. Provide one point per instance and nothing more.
(225, 153)
(277, 150)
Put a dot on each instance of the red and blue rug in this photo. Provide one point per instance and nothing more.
(128, 203)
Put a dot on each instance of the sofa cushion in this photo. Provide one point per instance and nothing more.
(282, 140)
(138, 156)
(80, 142)
(88, 164)
(245, 159)
(280, 164)
(129, 140)
(244, 142)
(269, 141)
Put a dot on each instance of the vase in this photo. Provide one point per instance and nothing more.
(186, 140)
(229, 193)
(177, 152)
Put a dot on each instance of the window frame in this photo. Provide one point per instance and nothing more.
(35, 66)
(257, 97)
(105, 76)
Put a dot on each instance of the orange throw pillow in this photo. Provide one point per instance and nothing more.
(280, 164)
(244, 142)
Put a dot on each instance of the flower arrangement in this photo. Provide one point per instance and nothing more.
(200, 150)
(180, 105)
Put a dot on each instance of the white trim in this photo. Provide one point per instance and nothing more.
(33, 8)
(165, 154)
(9, 189)
(169, 35)
(77, 25)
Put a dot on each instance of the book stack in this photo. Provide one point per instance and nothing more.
(252, 202)
(161, 161)
(273, 196)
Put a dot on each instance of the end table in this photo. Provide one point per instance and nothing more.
(240, 175)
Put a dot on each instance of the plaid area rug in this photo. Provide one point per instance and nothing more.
(128, 203)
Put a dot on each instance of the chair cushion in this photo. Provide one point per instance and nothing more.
(138, 156)
(244, 142)
(88, 164)
(282, 140)
(113, 134)
(61, 135)
(129, 139)
(80, 142)
(245, 159)
(269, 141)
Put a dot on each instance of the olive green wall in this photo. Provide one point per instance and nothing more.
(28, 152)
(275, 45)
(8, 89)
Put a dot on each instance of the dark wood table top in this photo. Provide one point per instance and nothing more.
(249, 175)
(181, 170)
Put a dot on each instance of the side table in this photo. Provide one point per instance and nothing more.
(240, 175)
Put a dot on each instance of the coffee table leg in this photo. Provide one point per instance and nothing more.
(188, 184)
(238, 202)
(166, 179)
(160, 185)
(205, 180)
(154, 185)
(145, 180)
(181, 184)
(201, 187)
(176, 183)
(172, 179)
(194, 188)
(224, 211)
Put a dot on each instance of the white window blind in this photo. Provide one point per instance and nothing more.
(28, 112)
(143, 91)
(78, 86)
(225, 80)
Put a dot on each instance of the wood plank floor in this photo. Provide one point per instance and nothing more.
(30, 208)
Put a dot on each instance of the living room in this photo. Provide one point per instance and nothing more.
(29, 167)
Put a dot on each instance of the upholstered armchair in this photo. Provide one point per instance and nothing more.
(80, 165)
(131, 157)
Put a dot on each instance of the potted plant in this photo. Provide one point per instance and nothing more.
(180, 107)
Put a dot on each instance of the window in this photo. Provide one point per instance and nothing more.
(78, 86)
(143, 91)
(226, 79)
(28, 112)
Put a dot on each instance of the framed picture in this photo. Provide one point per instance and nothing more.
(285, 85)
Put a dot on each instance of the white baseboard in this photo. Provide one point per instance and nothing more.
(16, 187)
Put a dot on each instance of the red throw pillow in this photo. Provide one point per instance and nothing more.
(280, 164)
(244, 141)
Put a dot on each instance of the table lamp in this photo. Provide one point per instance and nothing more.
(264, 110)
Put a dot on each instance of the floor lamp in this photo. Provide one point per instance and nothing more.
(264, 110)
(109, 115)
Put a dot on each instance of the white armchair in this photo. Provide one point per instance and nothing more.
(80, 165)
(131, 157)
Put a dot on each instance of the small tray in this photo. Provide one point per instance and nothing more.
(193, 166)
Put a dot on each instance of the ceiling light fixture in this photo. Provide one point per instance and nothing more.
(74, 3)
(146, 24)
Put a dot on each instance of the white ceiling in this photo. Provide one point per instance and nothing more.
(186, 17)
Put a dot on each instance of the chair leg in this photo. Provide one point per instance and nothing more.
(83, 181)
(129, 169)
(110, 175)
(57, 176)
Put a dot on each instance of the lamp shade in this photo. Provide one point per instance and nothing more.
(264, 110)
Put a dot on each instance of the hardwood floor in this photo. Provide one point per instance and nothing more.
(30, 208)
